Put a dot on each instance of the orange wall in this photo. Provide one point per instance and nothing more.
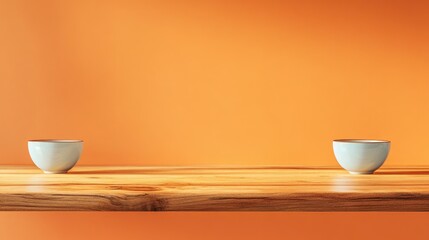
(214, 82)
(214, 226)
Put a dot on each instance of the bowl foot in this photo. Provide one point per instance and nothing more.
(55, 172)
(360, 173)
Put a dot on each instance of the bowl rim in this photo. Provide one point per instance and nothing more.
(370, 141)
(56, 140)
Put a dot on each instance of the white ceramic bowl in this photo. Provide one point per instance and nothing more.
(360, 156)
(55, 156)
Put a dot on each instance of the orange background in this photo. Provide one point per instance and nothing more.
(213, 226)
(213, 82)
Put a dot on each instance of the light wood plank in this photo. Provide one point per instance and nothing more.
(213, 189)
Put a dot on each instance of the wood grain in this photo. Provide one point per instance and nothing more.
(213, 189)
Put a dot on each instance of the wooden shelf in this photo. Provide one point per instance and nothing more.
(25, 188)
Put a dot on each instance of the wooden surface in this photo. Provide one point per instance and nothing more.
(213, 189)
